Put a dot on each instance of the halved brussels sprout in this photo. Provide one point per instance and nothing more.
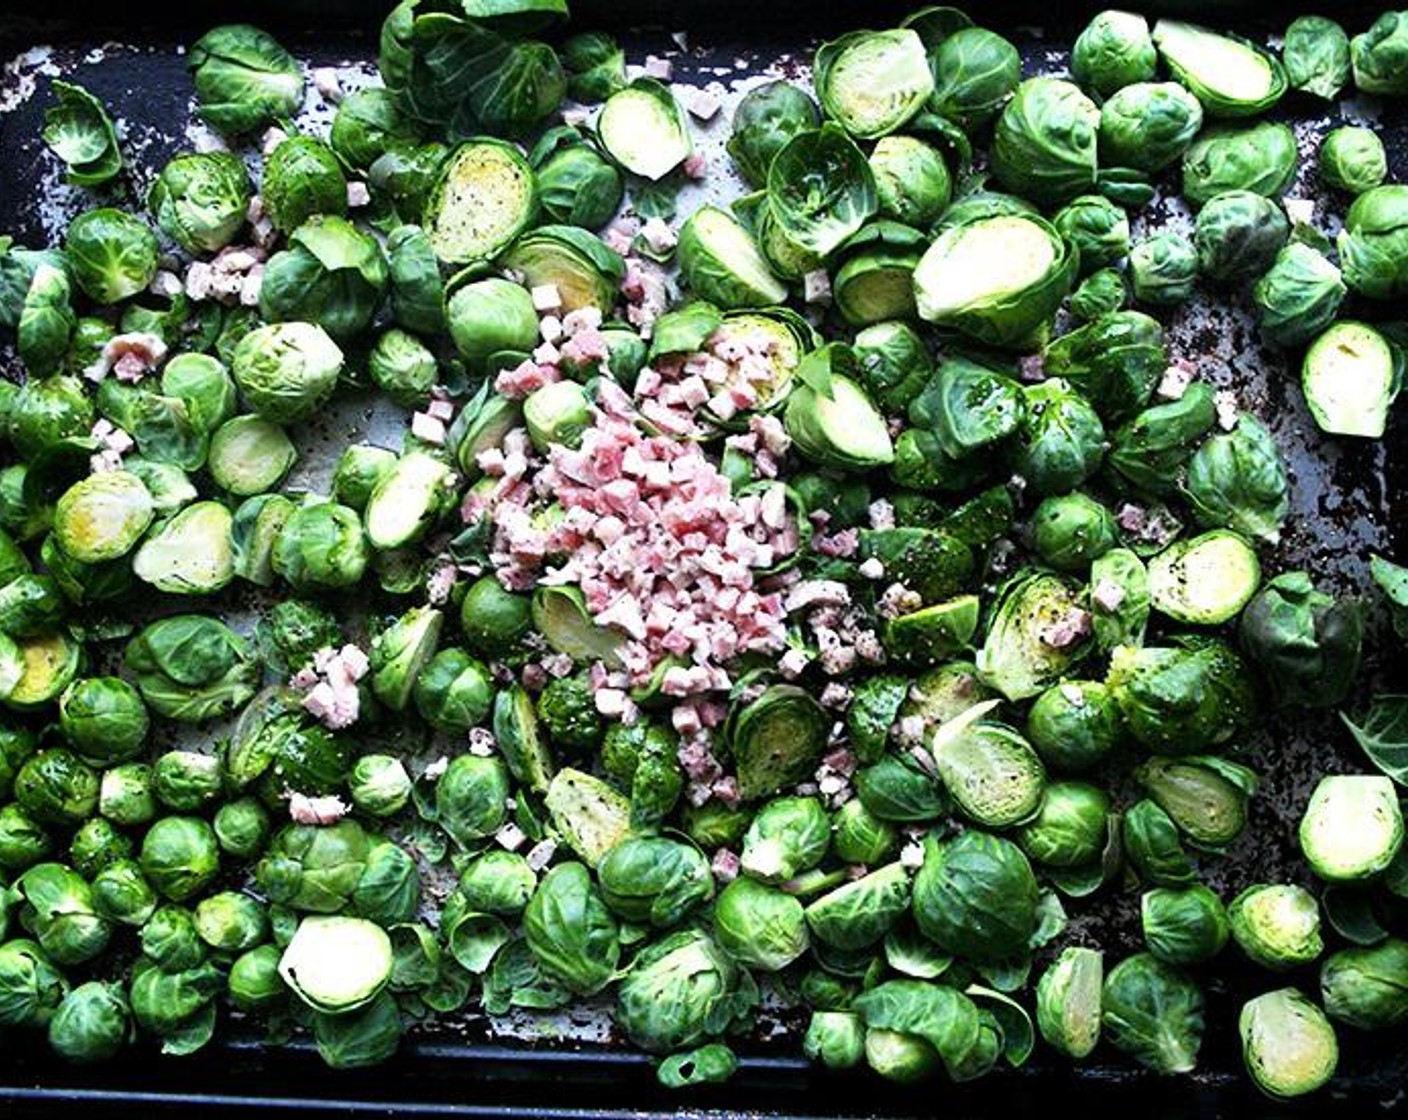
(337, 964)
(1287, 1043)
(103, 516)
(1351, 375)
(1277, 926)
(408, 500)
(1352, 828)
(1231, 77)
(483, 198)
(643, 129)
(250, 455)
(832, 420)
(1068, 1001)
(998, 279)
(1204, 580)
(991, 772)
(820, 189)
(1036, 631)
(46, 664)
(873, 81)
(585, 272)
(721, 263)
(190, 554)
(776, 740)
(592, 815)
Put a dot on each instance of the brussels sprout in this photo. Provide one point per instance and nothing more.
(242, 827)
(1101, 293)
(287, 371)
(1186, 925)
(494, 620)
(859, 914)
(469, 798)
(403, 367)
(1115, 362)
(231, 922)
(1073, 725)
(912, 180)
(1154, 848)
(643, 129)
(1206, 797)
(1306, 643)
(180, 856)
(365, 1037)
(1259, 158)
(190, 553)
(367, 123)
(788, 836)
(654, 880)
(872, 82)
(577, 184)
(454, 691)
(1372, 243)
(400, 652)
(321, 545)
(487, 316)
(1037, 630)
(1154, 1013)
(1367, 987)
(31, 988)
(1044, 145)
(96, 845)
(1278, 926)
(1352, 828)
(57, 905)
(820, 222)
(1353, 159)
(1113, 51)
(1351, 375)
(976, 897)
(122, 894)
(1097, 228)
(187, 780)
(16, 745)
(254, 982)
(1068, 1001)
(860, 837)
(571, 931)
(1377, 56)
(1237, 237)
(379, 785)
(766, 118)
(993, 775)
(1070, 826)
(976, 71)
(169, 939)
(776, 739)
(1316, 56)
(24, 841)
(46, 410)
(558, 413)
(314, 868)
(567, 708)
(125, 795)
(104, 718)
(1072, 530)
(302, 179)
(1231, 77)
(200, 199)
(102, 516)
(836, 1039)
(244, 78)
(191, 667)
(892, 365)
(1061, 442)
(205, 386)
(46, 321)
(37, 670)
(417, 292)
(968, 406)
(1149, 450)
(679, 991)
(1180, 700)
(332, 274)
(111, 255)
(1204, 580)
(1147, 126)
(78, 130)
(1288, 1045)
(56, 787)
(248, 456)
(1162, 269)
(336, 964)
(359, 468)
(835, 425)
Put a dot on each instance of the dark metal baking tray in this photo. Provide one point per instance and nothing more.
(1349, 498)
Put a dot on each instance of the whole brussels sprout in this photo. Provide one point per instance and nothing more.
(1179, 700)
(1163, 269)
(577, 184)
(498, 882)
(359, 468)
(332, 273)
(1277, 926)
(91, 1023)
(200, 200)
(912, 180)
(1259, 158)
(567, 708)
(254, 983)
(302, 178)
(366, 124)
(654, 880)
(789, 835)
(1113, 51)
(1298, 297)
(111, 255)
(1237, 236)
(470, 796)
(836, 1039)
(191, 667)
(126, 796)
(46, 410)
(96, 845)
(1367, 987)
(571, 931)
(16, 745)
(1097, 228)
(58, 907)
(493, 619)
(488, 316)
(180, 856)
(104, 718)
(1044, 145)
(1378, 56)
(1070, 827)
(1288, 1045)
(760, 926)
(1317, 56)
(170, 940)
(187, 780)
(860, 837)
(975, 896)
(679, 991)
(121, 893)
(766, 118)
(1154, 848)
(1353, 159)
(379, 785)
(244, 78)
(314, 869)
(55, 786)
(1306, 643)
(403, 367)
(1183, 925)
(1061, 441)
(1099, 294)
(23, 840)
(1237, 480)
(31, 988)
(454, 691)
(1074, 724)
(321, 546)
(1147, 126)
(1373, 245)
(287, 371)
(242, 827)
(231, 922)
(1072, 530)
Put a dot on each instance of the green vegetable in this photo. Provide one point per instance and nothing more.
(1316, 56)
(1352, 828)
(1353, 159)
(1113, 51)
(244, 78)
(1278, 926)
(1288, 1045)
